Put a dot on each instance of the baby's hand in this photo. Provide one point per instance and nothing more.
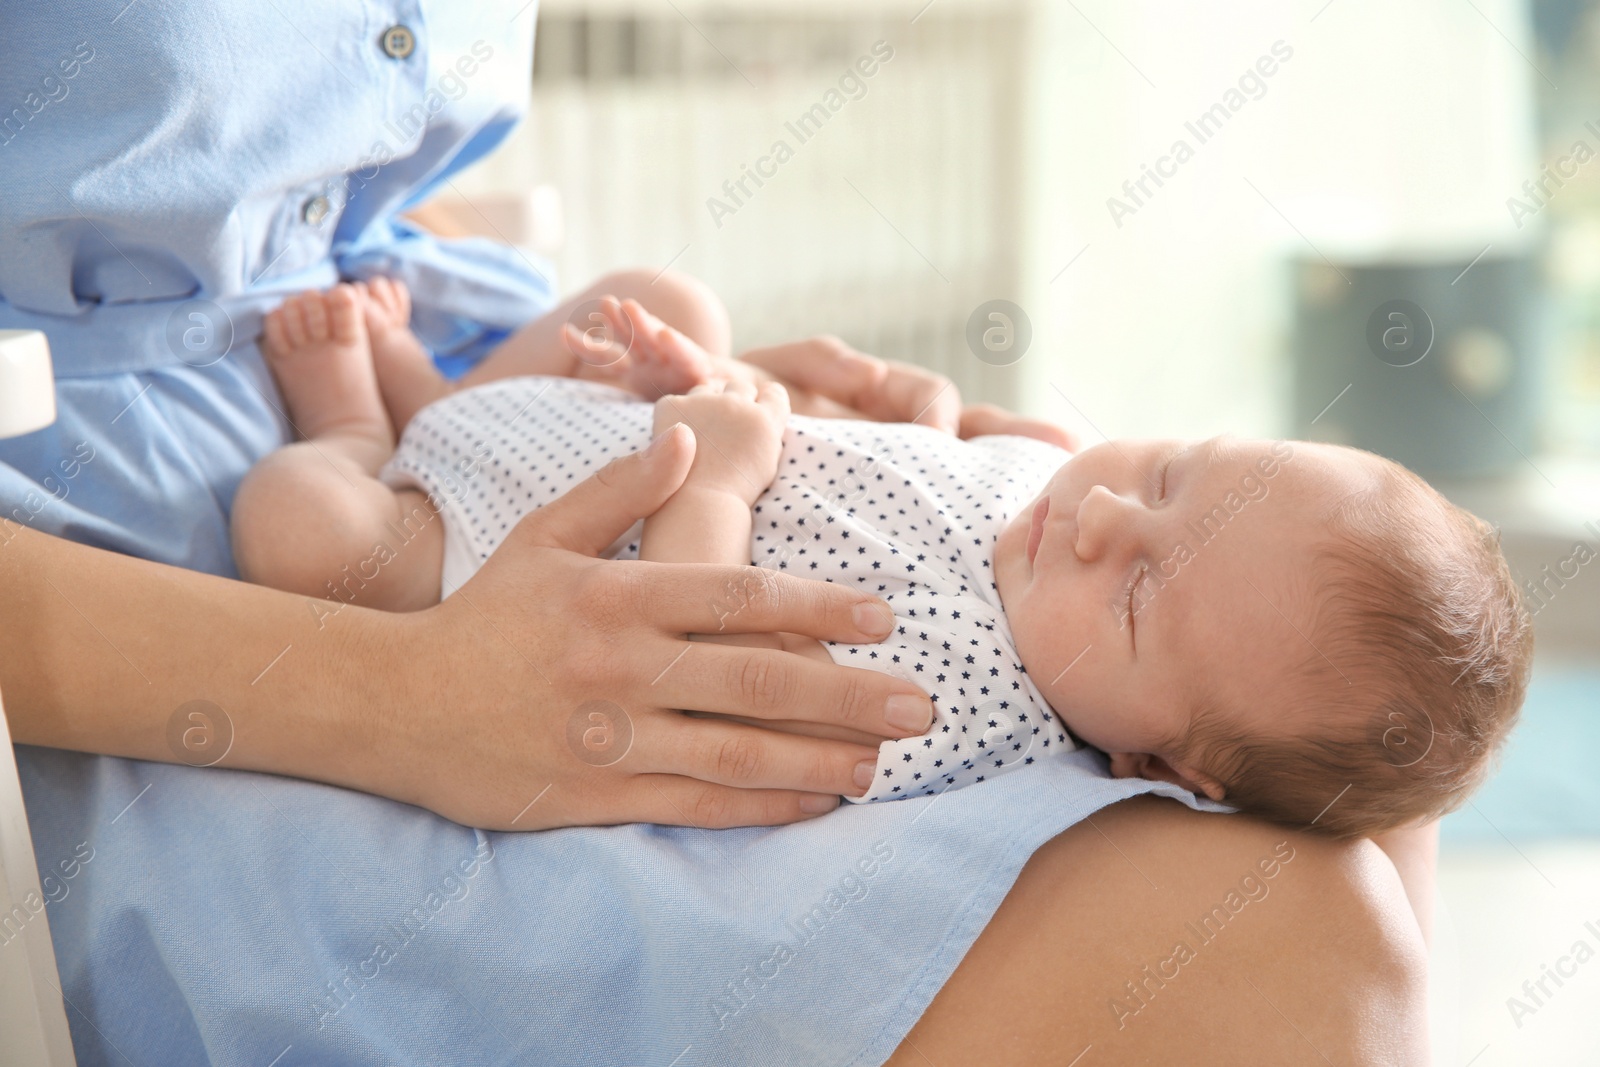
(738, 428)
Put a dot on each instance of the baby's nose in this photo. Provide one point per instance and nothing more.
(1102, 515)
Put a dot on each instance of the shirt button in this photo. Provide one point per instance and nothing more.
(398, 42)
(315, 210)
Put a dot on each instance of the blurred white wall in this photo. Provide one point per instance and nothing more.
(1392, 129)
(888, 220)
(980, 161)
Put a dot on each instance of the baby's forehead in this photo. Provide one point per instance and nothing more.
(1320, 475)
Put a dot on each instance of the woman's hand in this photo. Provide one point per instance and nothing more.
(984, 420)
(545, 692)
(827, 377)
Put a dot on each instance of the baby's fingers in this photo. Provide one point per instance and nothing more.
(743, 388)
(774, 398)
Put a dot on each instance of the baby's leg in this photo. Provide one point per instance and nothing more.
(312, 518)
(406, 375)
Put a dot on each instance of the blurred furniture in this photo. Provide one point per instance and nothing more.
(1452, 391)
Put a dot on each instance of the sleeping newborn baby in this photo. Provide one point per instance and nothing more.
(1303, 631)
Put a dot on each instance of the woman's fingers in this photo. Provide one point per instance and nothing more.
(889, 392)
(746, 757)
(979, 420)
(672, 800)
(769, 684)
(598, 510)
(824, 365)
(912, 394)
(709, 598)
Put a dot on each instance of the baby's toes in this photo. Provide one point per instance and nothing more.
(401, 297)
(380, 294)
(690, 359)
(316, 317)
(392, 298)
(670, 377)
(272, 329)
(292, 316)
(343, 314)
(597, 358)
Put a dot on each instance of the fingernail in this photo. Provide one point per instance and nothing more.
(661, 438)
(873, 618)
(818, 803)
(864, 772)
(905, 712)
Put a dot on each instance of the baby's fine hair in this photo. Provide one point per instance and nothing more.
(1418, 659)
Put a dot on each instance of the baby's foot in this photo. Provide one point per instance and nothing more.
(634, 350)
(317, 347)
(406, 375)
(386, 306)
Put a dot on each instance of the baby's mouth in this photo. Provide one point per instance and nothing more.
(1036, 529)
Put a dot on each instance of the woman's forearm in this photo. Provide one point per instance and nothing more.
(99, 652)
(1414, 851)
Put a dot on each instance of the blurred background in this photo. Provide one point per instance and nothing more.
(1348, 220)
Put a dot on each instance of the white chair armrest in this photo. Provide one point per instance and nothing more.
(32, 1017)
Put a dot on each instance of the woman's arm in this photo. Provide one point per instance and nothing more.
(1320, 963)
(1414, 851)
(465, 708)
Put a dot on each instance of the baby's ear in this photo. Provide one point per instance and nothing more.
(1154, 768)
(1201, 783)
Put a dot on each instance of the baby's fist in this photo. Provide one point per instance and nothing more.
(738, 426)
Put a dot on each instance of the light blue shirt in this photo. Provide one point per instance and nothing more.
(170, 172)
(168, 169)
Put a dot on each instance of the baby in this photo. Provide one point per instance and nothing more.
(1303, 631)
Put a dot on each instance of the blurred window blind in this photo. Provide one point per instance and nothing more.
(892, 217)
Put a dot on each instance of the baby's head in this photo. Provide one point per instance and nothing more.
(1305, 631)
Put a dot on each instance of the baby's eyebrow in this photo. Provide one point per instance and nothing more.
(1175, 460)
(1215, 449)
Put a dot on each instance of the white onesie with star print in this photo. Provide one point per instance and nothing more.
(901, 511)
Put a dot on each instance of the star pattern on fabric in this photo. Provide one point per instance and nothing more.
(900, 511)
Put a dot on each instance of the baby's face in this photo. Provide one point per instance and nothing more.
(1152, 578)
